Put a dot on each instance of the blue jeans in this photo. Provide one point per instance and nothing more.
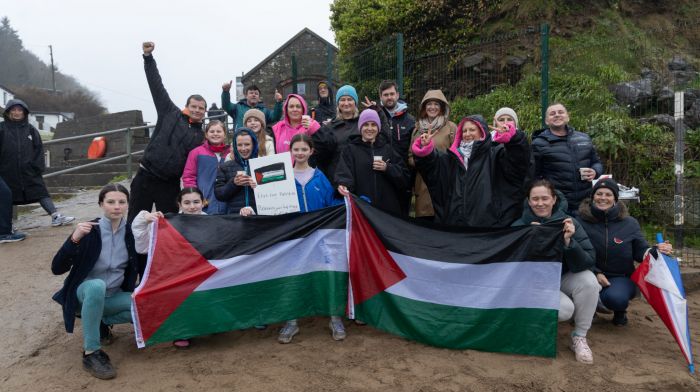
(617, 296)
(96, 307)
(5, 208)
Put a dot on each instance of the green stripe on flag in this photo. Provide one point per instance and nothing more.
(520, 330)
(322, 293)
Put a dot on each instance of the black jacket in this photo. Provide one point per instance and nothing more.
(325, 110)
(79, 259)
(401, 127)
(174, 137)
(225, 190)
(579, 255)
(559, 159)
(487, 194)
(616, 237)
(22, 158)
(356, 173)
(329, 142)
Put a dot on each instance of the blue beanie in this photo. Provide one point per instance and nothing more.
(346, 90)
(368, 115)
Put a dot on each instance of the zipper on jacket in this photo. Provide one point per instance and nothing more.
(303, 195)
(606, 240)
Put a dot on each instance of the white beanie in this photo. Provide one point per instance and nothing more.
(507, 111)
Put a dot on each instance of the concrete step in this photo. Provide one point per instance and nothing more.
(76, 181)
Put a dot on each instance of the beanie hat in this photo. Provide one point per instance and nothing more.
(507, 111)
(368, 115)
(608, 183)
(255, 113)
(346, 90)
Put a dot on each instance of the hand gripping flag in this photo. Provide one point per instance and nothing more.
(659, 280)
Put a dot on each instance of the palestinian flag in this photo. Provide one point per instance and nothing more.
(209, 274)
(490, 290)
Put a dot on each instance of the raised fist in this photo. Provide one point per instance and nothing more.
(227, 86)
(148, 48)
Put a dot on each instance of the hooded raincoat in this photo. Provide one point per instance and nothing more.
(484, 191)
(325, 110)
(22, 157)
(225, 189)
(284, 131)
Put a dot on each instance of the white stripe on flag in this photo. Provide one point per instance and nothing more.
(481, 286)
(322, 250)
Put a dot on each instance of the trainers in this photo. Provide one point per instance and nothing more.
(261, 327)
(620, 318)
(106, 336)
(58, 219)
(12, 237)
(181, 344)
(337, 329)
(287, 333)
(580, 348)
(98, 365)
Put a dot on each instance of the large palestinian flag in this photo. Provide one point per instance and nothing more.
(209, 274)
(494, 290)
(481, 289)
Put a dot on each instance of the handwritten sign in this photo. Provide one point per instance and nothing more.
(276, 192)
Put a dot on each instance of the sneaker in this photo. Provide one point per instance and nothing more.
(181, 344)
(12, 237)
(337, 329)
(580, 348)
(261, 327)
(106, 336)
(98, 365)
(287, 333)
(620, 318)
(59, 219)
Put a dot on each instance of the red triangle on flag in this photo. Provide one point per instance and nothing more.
(372, 269)
(176, 270)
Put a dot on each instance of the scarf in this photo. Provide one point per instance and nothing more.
(465, 149)
(220, 148)
(425, 125)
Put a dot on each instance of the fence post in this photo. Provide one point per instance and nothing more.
(128, 153)
(399, 62)
(294, 73)
(678, 158)
(329, 65)
(544, 73)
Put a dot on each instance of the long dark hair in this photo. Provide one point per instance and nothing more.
(301, 137)
(111, 188)
(541, 182)
(188, 190)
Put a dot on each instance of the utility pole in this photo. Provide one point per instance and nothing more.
(53, 70)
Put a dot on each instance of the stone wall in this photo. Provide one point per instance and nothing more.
(115, 142)
(276, 73)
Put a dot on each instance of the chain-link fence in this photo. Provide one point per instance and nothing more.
(621, 89)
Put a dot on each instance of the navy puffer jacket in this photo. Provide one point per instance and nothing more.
(559, 158)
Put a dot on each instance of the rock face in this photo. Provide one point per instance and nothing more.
(655, 92)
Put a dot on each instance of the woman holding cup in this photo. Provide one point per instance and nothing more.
(296, 120)
(369, 166)
(234, 184)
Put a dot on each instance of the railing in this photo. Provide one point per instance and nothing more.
(128, 155)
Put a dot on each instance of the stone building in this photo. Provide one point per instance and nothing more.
(314, 63)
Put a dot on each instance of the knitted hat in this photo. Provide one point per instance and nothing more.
(368, 115)
(255, 113)
(507, 111)
(346, 90)
(607, 183)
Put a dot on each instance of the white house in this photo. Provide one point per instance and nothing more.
(47, 121)
(5, 96)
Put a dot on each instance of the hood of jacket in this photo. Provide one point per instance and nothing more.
(436, 95)
(558, 211)
(590, 213)
(15, 102)
(304, 107)
(328, 101)
(237, 156)
(480, 145)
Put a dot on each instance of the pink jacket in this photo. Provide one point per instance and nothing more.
(189, 175)
(284, 131)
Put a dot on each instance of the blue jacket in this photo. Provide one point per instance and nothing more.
(79, 259)
(317, 193)
(237, 110)
(225, 190)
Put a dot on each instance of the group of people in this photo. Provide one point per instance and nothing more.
(470, 174)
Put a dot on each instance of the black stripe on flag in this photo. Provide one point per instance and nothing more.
(465, 245)
(226, 236)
